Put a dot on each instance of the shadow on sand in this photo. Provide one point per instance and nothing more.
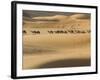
(66, 63)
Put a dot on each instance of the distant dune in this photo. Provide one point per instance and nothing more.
(58, 21)
(52, 17)
(80, 16)
(75, 16)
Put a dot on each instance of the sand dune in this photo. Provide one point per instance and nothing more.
(40, 49)
(79, 16)
(52, 17)
(75, 16)
(58, 21)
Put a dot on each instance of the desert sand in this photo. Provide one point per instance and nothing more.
(46, 50)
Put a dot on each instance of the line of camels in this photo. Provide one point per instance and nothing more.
(60, 31)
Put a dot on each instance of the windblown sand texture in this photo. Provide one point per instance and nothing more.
(45, 50)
